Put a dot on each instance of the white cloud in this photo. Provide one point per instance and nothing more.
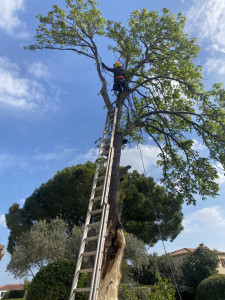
(90, 155)
(205, 221)
(38, 70)
(198, 146)
(9, 20)
(6, 161)
(20, 92)
(2, 221)
(215, 64)
(206, 19)
(131, 156)
(59, 154)
(22, 201)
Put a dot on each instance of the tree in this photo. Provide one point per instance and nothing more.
(199, 265)
(42, 244)
(166, 100)
(156, 264)
(66, 195)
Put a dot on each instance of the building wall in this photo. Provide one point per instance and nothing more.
(2, 293)
(221, 266)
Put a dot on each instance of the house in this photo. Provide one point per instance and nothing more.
(2, 252)
(179, 255)
(10, 287)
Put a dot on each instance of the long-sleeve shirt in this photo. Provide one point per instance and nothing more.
(118, 71)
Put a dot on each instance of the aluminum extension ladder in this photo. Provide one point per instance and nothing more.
(98, 208)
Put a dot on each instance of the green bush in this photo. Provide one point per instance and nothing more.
(134, 292)
(212, 288)
(162, 290)
(54, 281)
(13, 295)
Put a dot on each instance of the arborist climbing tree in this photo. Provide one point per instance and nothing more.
(120, 84)
(168, 103)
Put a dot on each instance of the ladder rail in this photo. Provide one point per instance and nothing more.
(94, 283)
(110, 161)
(84, 236)
(108, 133)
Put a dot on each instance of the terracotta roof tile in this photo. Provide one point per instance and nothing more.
(9, 287)
(189, 250)
(182, 251)
(2, 247)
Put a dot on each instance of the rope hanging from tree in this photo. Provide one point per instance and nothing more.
(158, 225)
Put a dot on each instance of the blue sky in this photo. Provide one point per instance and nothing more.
(50, 113)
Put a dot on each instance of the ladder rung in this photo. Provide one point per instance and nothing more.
(105, 153)
(107, 145)
(81, 290)
(101, 177)
(91, 238)
(97, 198)
(94, 224)
(89, 253)
(97, 211)
(86, 270)
(98, 188)
(102, 169)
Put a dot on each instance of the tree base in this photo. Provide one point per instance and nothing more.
(109, 285)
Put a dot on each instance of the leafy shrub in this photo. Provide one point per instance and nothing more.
(212, 288)
(13, 294)
(53, 282)
(162, 290)
(198, 266)
(134, 292)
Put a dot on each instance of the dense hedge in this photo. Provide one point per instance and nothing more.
(53, 282)
(132, 292)
(212, 288)
(14, 294)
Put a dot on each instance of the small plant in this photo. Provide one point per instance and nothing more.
(162, 290)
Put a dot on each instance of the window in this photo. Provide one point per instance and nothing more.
(223, 262)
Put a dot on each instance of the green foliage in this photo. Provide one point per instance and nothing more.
(43, 243)
(53, 282)
(135, 251)
(134, 292)
(168, 103)
(138, 215)
(67, 195)
(70, 28)
(158, 265)
(211, 288)
(14, 295)
(162, 290)
(199, 265)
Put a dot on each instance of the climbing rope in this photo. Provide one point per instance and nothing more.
(158, 225)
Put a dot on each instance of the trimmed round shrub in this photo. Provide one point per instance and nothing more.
(53, 282)
(212, 288)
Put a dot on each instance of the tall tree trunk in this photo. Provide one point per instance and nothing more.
(115, 242)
